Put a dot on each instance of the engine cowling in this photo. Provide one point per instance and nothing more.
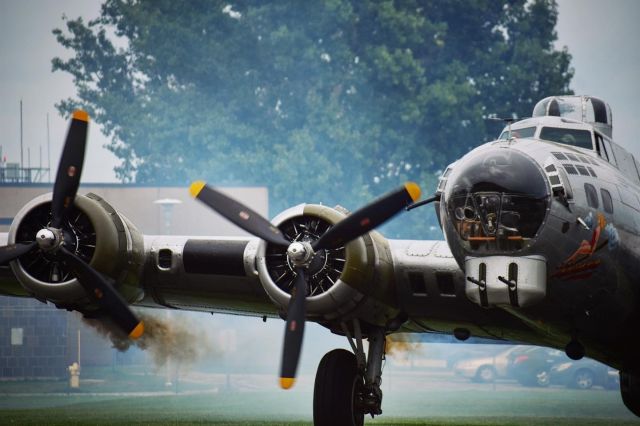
(354, 280)
(96, 233)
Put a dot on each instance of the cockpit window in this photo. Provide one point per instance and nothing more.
(592, 195)
(526, 132)
(573, 137)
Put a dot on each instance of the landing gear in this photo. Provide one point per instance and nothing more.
(337, 391)
(630, 390)
(347, 384)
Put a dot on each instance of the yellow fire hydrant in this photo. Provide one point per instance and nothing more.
(74, 371)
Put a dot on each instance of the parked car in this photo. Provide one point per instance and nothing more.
(460, 352)
(529, 365)
(484, 369)
(584, 374)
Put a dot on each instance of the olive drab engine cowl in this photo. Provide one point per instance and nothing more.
(102, 237)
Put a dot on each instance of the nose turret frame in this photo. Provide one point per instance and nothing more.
(495, 202)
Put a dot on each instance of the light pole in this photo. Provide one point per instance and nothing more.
(167, 205)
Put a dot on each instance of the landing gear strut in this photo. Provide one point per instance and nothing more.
(347, 385)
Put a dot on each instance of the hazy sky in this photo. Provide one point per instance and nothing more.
(600, 35)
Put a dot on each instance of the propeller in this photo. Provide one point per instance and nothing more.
(14, 251)
(105, 295)
(238, 213)
(368, 217)
(51, 239)
(300, 253)
(70, 168)
(294, 331)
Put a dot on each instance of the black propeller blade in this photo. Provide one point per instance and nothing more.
(104, 294)
(351, 227)
(14, 251)
(64, 194)
(293, 331)
(70, 168)
(368, 217)
(237, 213)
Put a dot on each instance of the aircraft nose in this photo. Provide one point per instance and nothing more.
(495, 201)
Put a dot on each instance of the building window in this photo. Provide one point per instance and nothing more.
(592, 195)
(607, 202)
(17, 336)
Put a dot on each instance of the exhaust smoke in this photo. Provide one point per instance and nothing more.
(177, 338)
(400, 344)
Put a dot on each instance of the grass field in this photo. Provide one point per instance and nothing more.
(277, 407)
(411, 398)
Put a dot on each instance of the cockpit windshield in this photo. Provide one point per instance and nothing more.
(573, 137)
(526, 132)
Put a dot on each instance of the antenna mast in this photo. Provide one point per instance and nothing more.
(48, 150)
(21, 148)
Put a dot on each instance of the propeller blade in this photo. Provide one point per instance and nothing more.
(105, 295)
(368, 217)
(237, 213)
(14, 251)
(70, 168)
(293, 332)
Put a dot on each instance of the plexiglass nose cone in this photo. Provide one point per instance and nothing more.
(496, 201)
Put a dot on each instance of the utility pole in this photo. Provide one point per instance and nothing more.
(21, 148)
(48, 150)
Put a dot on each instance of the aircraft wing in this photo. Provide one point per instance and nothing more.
(405, 285)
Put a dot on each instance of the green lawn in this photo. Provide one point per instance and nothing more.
(278, 407)
(132, 396)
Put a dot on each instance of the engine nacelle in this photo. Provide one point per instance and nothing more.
(354, 280)
(95, 232)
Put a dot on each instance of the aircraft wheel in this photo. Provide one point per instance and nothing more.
(337, 391)
(630, 390)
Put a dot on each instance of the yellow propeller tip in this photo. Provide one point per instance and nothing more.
(287, 382)
(80, 115)
(196, 187)
(138, 331)
(413, 189)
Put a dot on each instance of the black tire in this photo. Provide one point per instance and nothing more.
(336, 390)
(485, 374)
(583, 379)
(630, 390)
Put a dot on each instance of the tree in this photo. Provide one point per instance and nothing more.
(333, 101)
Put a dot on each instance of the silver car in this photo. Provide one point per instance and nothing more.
(486, 369)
